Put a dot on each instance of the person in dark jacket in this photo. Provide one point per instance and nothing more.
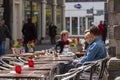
(29, 32)
(105, 31)
(4, 31)
(63, 41)
(52, 33)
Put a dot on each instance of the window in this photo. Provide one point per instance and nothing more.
(68, 24)
(82, 26)
(100, 12)
(89, 11)
(74, 25)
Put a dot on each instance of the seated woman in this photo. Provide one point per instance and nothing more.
(62, 41)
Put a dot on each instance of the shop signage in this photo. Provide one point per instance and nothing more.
(78, 6)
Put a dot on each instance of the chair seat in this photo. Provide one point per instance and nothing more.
(93, 70)
(97, 72)
(86, 76)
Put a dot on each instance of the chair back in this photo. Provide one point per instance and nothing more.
(101, 66)
(98, 68)
(73, 73)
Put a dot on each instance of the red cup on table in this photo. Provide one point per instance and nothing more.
(18, 69)
(31, 63)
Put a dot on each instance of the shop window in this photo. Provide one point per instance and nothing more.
(100, 12)
(82, 26)
(68, 24)
(48, 17)
(59, 18)
(89, 11)
(74, 25)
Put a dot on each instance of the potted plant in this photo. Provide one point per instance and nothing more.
(31, 45)
(17, 46)
(75, 45)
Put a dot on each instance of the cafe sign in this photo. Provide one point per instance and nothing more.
(78, 6)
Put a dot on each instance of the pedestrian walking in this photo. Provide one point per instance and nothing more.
(52, 33)
(105, 31)
(101, 27)
(29, 33)
(4, 31)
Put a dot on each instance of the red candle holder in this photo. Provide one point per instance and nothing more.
(18, 69)
(31, 63)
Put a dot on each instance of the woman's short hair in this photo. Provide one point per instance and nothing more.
(63, 33)
(95, 30)
(87, 30)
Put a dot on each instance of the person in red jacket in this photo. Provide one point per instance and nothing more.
(101, 27)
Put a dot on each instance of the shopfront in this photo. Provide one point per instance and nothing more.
(82, 15)
(43, 12)
(31, 10)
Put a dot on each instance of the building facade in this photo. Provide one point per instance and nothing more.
(81, 15)
(5, 11)
(42, 12)
(114, 39)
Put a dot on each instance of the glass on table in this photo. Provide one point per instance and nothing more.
(39, 53)
(58, 49)
(11, 62)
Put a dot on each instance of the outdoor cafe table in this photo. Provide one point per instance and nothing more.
(48, 66)
(25, 74)
(60, 58)
(51, 64)
(39, 71)
(47, 63)
(38, 68)
(43, 58)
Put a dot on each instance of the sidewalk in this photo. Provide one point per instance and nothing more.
(43, 46)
